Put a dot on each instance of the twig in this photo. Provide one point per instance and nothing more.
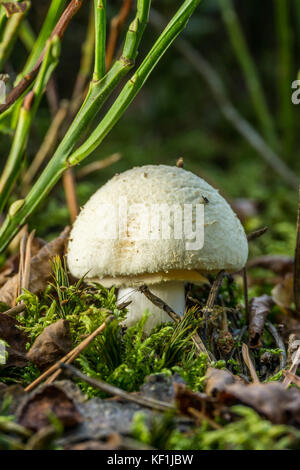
(112, 390)
(99, 165)
(256, 234)
(214, 290)
(214, 82)
(203, 417)
(21, 307)
(160, 303)
(59, 31)
(293, 368)
(72, 354)
(291, 378)
(246, 296)
(249, 363)
(297, 263)
(26, 272)
(48, 143)
(70, 193)
(175, 317)
(279, 343)
(116, 25)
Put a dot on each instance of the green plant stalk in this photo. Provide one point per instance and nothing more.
(100, 39)
(27, 35)
(243, 55)
(136, 82)
(57, 165)
(51, 19)
(27, 113)
(10, 35)
(282, 19)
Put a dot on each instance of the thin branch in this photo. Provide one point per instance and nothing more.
(69, 185)
(257, 234)
(99, 165)
(116, 26)
(174, 316)
(249, 363)
(59, 31)
(115, 391)
(71, 356)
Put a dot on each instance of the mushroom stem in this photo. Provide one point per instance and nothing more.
(172, 293)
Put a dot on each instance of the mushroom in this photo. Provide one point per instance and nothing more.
(146, 226)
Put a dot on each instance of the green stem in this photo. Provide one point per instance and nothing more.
(27, 35)
(51, 19)
(248, 67)
(27, 113)
(57, 165)
(10, 35)
(100, 38)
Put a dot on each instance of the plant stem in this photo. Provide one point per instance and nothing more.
(100, 38)
(98, 93)
(136, 82)
(28, 110)
(10, 35)
(248, 67)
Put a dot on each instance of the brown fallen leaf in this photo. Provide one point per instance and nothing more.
(40, 269)
(271, 400)
(279, 264)
(186, 400)
(217, 380)
(52, 344)
(283, 294)
(259, 309)
(48, 399)
(15, 338)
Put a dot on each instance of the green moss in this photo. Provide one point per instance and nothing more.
(248, 432)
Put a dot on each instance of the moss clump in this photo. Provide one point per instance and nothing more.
(248, 432)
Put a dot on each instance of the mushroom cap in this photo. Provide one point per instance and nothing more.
(94, 249)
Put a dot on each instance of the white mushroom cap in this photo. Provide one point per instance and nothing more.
(95, 250)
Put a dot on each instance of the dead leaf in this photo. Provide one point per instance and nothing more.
(283, 294)
(217, 380)
(15, 338)
(52, 344)
(40, 269)
(271, 400)
(259, 309)
(185, 400)
(48, 399)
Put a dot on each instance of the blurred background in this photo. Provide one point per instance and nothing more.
(220, 98)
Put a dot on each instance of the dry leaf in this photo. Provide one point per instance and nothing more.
(49, 399)
(40, 269)
(53, 343)
(271, 400)
(259, 309)
(15, 338)
(217, 380)
(185, 399)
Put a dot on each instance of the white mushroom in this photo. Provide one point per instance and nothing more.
(120, 239)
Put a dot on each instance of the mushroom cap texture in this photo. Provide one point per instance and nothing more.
(99, 257)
